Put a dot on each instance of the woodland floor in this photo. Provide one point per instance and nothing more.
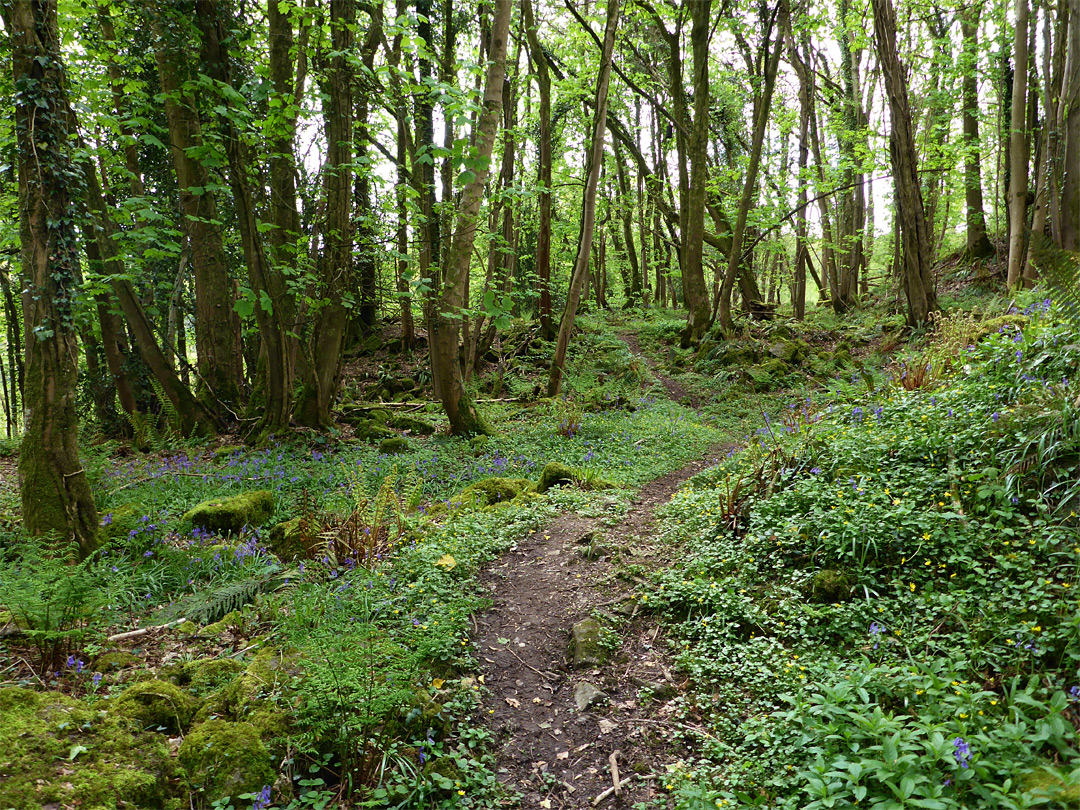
(549, 751)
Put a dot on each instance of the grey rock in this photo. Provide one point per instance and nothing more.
(586, 648)
(587, 695)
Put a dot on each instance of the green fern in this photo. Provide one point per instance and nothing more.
(206, 607)
(1060, 272)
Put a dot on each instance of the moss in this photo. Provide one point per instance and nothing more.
(993, 325)
(252, 692)
(156, 704)
(208, 675)
(232, 514)
(56, 751)
(114, 661)
(287, 541)
(222, 758)
(418, 427)
(394, 446)
(830, 585)
(494, 490)
(1051, 785)
(118, 524)
(556, 473)
(370, 431)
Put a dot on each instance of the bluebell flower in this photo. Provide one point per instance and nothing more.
(962, 752)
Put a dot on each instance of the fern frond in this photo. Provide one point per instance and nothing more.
(206, 607)
(1060, 272)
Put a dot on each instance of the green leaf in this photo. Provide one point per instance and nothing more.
(75, 750)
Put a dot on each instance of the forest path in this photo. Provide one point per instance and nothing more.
(558, 722)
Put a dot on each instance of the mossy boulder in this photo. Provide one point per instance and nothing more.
(223, 758)
(555, 474)
(395, 445)
(490, 491)
(226, 452)
(286, 540)
(156, 705)
(417, 427)
(122, 522)
(992, 325)
(56, 751)
(224, 515)
(207, 675)
(250, 696)
(830, 585)
(114, 662)
(371, 431)
(587, 644)
(1051, 785)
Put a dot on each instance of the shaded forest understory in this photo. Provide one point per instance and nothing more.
(514, 404)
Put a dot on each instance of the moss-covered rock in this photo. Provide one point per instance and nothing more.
(394, 446)
(251, 696)
(992, 325)
(114, 662)
(371, 431)
(1051, 785)
(156, 705)
(231, 514)
(556, 473)
(207, 675)
(489, 491)
(56, 751)
(830, 585)
(587, 644)
(226, 452)
(222, 758)
(122, 522)
(417, 427)
(286, 540)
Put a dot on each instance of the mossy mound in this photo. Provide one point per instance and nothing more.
(224, 515)
(221, 758)
(56, 751)
(417, 427)
(156, 705)
(226, 452)
(1053, 786)
(207, 675)
(555, 473)
(992, 325)
(114, 662)
(490, 491)
(286, 540)
(394, 446)
(371, 431)
(118, 524)
(357, 415)
(250, 696)
(830, 585)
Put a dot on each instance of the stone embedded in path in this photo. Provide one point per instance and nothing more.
(587, 695)
(586, 647)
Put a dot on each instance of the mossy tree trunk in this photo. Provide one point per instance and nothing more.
(465, 419)
(56, 497)
(593, 163)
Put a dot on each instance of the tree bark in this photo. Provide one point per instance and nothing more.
(978, 244)
(56, 499)
(593, 163)
(762, 109)
(465, 419)
(918, 279)
(1070, 101)
(217, 326)
(1018, 150)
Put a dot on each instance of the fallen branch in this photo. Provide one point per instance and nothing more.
(613, 761)
(142, 631)
(600, 797)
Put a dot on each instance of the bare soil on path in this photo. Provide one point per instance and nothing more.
(550, 750)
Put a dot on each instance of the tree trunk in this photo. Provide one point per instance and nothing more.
(56, 499)
(464, 418)
(764, 102)
(1070, 101)
(335, 261)
(594, 160)
(217, 326)
(918, 279)
(267, 285)
(543, 233)
(1018, 150)
(978, 245)
(697, 295)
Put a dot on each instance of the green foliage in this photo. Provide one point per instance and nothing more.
(55, 602)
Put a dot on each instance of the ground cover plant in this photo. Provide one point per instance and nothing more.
(319, 652)
(875, 601)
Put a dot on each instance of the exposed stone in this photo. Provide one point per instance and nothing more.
(395, 445)
(587, 695)
(231, 514)
(222, 759)
(156, 704)
(586, 644)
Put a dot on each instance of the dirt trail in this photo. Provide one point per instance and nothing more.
(556, 754)
(676, 391)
